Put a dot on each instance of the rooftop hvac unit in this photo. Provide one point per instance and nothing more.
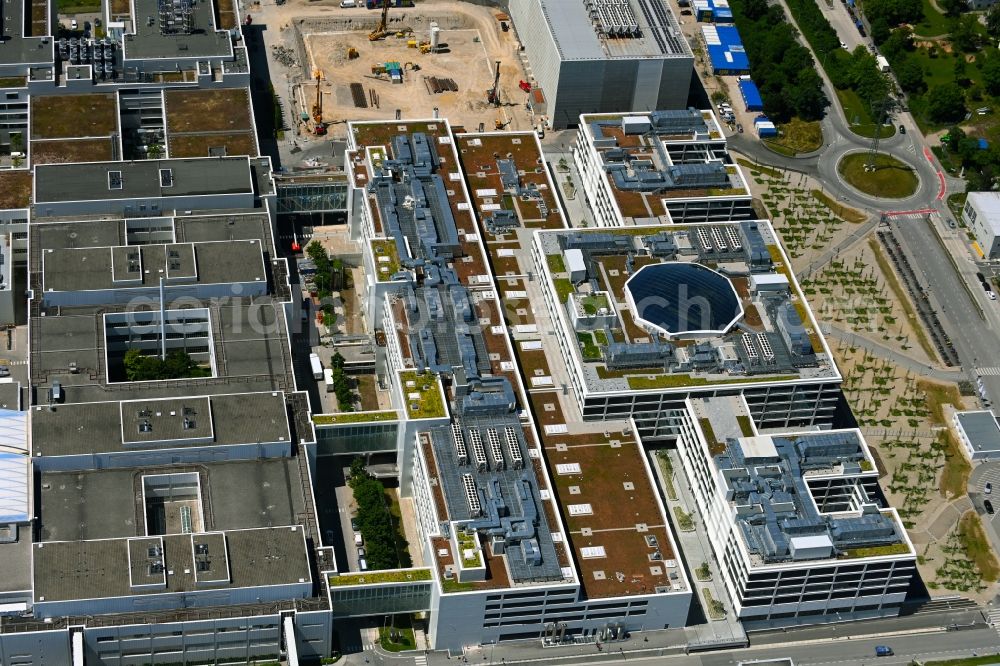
(495, 451)
(478, 452)
(513, 448)
(472, 495)
(460, 448)
(720, 240)
(734, 239)
(705, 239)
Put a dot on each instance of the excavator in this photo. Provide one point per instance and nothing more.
(380, 30)
(317, 109)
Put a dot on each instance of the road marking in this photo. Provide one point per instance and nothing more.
(988, 372)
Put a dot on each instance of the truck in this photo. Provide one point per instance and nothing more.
(883, 64)
(328, 379)
(317, 366)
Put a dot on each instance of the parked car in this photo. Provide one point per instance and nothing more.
(988, 505)
(355, 525)
(363, 565)
(988, 489)
(361, 553)
(358, 540)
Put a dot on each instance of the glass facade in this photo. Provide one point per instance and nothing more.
(313, 197)
(359, 601)
(356, 438)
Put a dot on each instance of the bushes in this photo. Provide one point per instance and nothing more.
(177, 365)
(385, 548)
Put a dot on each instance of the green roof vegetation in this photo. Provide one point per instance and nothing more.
(746, 425)
(469, 542)
(354, 417)
(590, 351)
(563, 289)
(429, 404)
(452, 585)
(380, 577)
(875, 551)
(13, 81)
(640, 383)
(594, 303)
(556, 263)
(386, 257)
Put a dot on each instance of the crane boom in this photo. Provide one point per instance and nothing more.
(493, 94)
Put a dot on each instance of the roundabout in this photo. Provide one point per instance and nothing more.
(889, 179)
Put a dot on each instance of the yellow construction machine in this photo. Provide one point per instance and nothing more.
(380, 30)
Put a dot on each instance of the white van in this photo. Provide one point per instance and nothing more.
(363, 564)
(348, 4)
(358, 541)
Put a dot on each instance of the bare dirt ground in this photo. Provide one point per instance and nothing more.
(318, 35)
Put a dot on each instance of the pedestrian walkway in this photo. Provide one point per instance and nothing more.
(988, 372)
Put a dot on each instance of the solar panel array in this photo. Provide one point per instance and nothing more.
(660, 25)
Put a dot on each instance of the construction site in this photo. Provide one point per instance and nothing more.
(459, 61)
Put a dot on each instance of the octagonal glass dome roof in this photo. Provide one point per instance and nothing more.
(683, 300)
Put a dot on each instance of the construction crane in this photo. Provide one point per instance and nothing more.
(493, 94)
(380, 30)
(317, 109)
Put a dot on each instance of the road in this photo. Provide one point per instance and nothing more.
(975, 340)
(910, 637)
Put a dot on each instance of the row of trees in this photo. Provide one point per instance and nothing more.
(385, 547)
(784, 70)
(177, 365)
(342, 384)
(982, 167)
(330, 271)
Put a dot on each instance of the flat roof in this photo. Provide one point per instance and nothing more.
(618, 532)
(142, 179)
(767, 481)
(89, 505)
(18, 49)
(653, 31)
(100, 569)
(250, 356)
(988, 205)
(981, 428)
(112, 427)
(148, 43)
(616, 350)
(137, 267)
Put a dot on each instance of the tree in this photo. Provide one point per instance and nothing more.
(953, 8)
(358, 469)
(910, 75)
(177, 365)
(993, 20)
(337, 360)
(155, 151)
(965, 34)
(991, 74)
(946, 103)
(880, 30)
(899, 42)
